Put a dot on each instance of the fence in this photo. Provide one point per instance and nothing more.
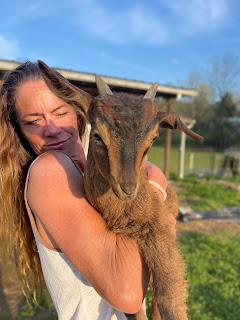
(196, 162)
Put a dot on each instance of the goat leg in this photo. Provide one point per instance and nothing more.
(167, 268)
(155, 315)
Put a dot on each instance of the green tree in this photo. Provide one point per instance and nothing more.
(226, 107)
(221, 132)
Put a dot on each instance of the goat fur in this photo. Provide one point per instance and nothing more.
(116, 184)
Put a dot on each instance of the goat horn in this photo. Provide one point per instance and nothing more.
(103, 88)
(151, 93)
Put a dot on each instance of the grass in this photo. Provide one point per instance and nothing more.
(207, 196)
(45, 310)
(213, 266)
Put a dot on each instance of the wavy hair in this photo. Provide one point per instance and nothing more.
(16, 235)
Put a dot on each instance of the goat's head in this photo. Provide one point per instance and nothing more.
(123, 128)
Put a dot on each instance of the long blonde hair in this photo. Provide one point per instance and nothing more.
(16, 236)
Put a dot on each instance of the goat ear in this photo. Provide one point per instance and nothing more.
(151, 93)
(171, 120)
(103, 88)
(64, 90)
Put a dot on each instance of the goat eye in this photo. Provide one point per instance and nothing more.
(97, 137)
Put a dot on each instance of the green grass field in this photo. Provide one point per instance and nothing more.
(213, 267)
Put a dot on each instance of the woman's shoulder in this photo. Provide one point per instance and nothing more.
(53, 161)
(52, 158)
(52, 169)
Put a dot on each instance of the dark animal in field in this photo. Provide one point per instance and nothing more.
(123, 129)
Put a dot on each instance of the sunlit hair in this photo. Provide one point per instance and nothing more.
(16, 236)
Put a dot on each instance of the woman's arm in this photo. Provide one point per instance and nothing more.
(110, 262)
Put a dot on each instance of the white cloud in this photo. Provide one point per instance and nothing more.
(8, 48)
(198, 15)
(163, 22)
(146, 26)
(136, 22)
(132, 24)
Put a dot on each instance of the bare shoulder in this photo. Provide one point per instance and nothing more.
(54, 173)
(53, 160)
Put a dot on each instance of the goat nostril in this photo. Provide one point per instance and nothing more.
(128, 188)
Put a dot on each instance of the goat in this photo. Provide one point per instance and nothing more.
(122, 131)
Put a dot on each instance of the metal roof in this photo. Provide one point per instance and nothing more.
(87, 81)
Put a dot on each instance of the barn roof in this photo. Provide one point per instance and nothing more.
(86, 81)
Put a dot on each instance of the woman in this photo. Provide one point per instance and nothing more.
(91, 273)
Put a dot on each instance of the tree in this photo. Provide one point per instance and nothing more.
(226, 107)
(221, 133)
(223, 73)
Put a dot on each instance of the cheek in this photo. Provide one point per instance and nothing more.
(34, 137)
(72, 126)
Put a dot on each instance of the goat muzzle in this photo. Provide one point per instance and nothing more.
(128, 188)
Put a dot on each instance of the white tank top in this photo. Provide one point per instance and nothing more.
(73, 296)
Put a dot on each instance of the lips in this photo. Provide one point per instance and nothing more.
(55, 145)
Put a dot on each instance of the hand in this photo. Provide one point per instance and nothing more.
(158, 180)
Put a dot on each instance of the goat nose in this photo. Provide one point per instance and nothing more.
(128, 188)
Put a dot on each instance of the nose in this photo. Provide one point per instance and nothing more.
(51, 129)
(128, 188)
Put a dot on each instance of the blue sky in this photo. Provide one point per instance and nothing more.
(156, 40)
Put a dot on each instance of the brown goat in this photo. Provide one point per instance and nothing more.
(123, 130)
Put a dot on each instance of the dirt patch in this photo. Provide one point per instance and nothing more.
(230, 184)
(207, 226)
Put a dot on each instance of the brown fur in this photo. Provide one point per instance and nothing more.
(145, 219)
(123, 130)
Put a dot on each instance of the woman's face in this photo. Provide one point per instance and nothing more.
(47, 122)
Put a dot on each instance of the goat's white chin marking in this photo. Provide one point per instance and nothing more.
(156, 185)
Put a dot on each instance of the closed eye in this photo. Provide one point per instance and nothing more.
(61, 114)
(32, 122)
